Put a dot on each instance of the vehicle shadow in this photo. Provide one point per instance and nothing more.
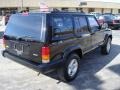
(92, 63)
(115, 69)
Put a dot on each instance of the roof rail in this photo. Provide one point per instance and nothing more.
(68, 12)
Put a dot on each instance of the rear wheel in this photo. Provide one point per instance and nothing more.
(105, 49)
(70, 69)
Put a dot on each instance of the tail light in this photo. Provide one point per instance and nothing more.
(45, 54)
(114, 22)
(4, 42)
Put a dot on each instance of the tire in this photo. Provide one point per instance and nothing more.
(105, 49)
(72, 63)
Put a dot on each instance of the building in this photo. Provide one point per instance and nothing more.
(12, 6)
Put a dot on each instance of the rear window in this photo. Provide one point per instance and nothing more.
(26, 25)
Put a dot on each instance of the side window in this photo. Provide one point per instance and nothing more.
(68, 27)
(93, 23)
(81, 26)
(62, 27)
(57, 25)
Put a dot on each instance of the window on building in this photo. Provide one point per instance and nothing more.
(118, 10)
(65, 9)
(93, 23)
(27, 9)
(5, 11)
(80, 10)
(111, 11)
(102, 10)
(55, 9)
(91, 10)
(77, 9)
(80, 25)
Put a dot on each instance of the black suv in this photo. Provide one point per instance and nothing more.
(54, 41)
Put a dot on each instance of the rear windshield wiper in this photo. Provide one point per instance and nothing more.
(26, 38)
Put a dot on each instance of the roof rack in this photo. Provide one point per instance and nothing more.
(55, 11)
(66, 12)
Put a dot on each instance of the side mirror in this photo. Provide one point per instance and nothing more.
(104, 26)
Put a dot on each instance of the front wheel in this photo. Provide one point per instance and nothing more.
(111, 27)
(70, 69)
(105, 49)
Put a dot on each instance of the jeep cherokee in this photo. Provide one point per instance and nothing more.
(54, 41)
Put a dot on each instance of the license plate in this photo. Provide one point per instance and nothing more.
(19, 48)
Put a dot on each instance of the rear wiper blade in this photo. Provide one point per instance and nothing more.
(26, 38)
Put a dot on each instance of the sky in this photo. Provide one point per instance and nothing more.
(117, 1)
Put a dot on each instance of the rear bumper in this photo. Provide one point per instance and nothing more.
(43, 68)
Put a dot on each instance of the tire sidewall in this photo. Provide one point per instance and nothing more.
(69, 59)
(108, 41)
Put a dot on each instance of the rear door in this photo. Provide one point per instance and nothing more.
(96, 32)
(82, 32)
(25, 36)
(62, 37)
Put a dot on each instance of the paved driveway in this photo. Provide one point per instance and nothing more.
(97, 72)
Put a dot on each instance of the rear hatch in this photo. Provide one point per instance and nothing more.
(25, 35)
